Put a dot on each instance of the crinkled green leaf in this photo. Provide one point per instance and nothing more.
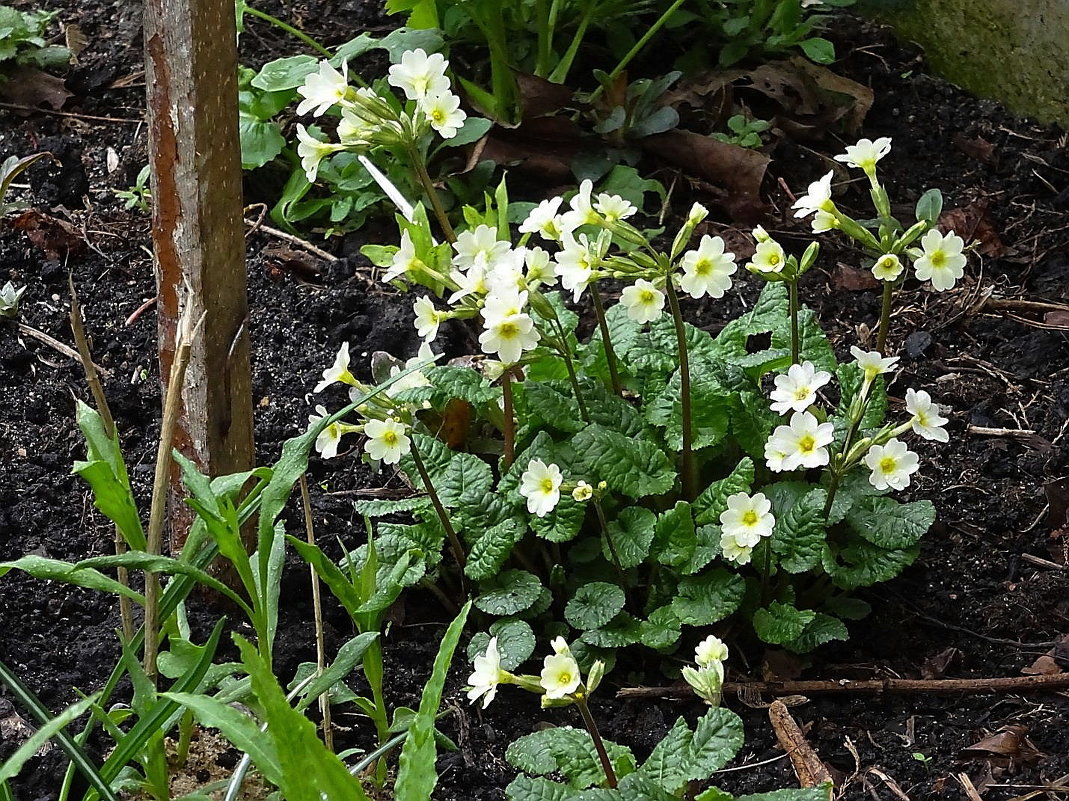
(636, 468)
(528, 788)
(630, 535)
(515, 642)
(674, 537)
(550, 404)
(798, 537)
(380, 508)
(492, 548)
(567, 751)
(889, 524)
(780, 623)
(594, 605)
(820, 630)
(661, 631)
(861, 564)
(508, 593)
(709, 597)
(448, 382)
(562, 523)
(621, 631)
(713, 500)
(285, 73)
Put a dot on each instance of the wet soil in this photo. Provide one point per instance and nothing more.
(999, 368)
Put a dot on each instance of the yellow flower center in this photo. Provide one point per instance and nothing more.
(703, 267)
(546, 485)
(888, 464)
(647, 296)
(773, 259)
(801, 393)
(390, 438)
(564, 677)
(749, 518)
(508, 330)
(438, 115)
(938, 259)
(807, 444)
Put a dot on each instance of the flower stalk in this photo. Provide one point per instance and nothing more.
(690, 490)
(439, 509)
(599, 744)
(792, 303)
(610, 354)
(420, 166)
(885, 316)
(509, 425)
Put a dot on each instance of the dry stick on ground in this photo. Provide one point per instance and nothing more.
(808, 767)
(101, 400)
(58, 346)
(1008, 684)
(317, 612)
(172, 406)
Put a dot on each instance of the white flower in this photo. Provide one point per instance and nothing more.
(707, 270)
(801, 443)
(582, 492)
(386, 440)
(322, 89)
(560, 676)
(428, 319)
(891, 465)
(769, 257)
(539, 267)
(353, 129)
(472, 282)
(543, 220)
(582, 209)
(747, 518)
(540, 485)
(479, 249)
(575, 264)
(614, 207)
(942, 262)
(330, 437)
(487, 675)
(707, 683)
(560, 646)
(339, 371)
(312, 151)
(419, 75)
(760, 234)
(414, 379)
(734, 551)
(643, 301)
(866, 153)
(509, 337)
(697, 213)
(797, 390)
(404, 262)
(926, 418)
(503, 301)
(444, 112)
(824, 221)
(711, 650)
(872, 363)
(888, 267)
(817, 198)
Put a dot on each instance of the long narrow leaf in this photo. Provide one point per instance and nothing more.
(73, 750)
(417, 774)
(349, 656)
(55, 570)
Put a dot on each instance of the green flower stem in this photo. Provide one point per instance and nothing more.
(621, 576)
(833, 487)
(317, 616)
(637, 47)
(285, 26)
(610, 354)
(792, 301)
(443, 515)
(420, 166)
(837, 469)
(690, 489)
(599, 744)
(567, 356)
(509, 427)
(885, 316)
(564, 65)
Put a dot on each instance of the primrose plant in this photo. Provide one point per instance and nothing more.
(593, 767)
(653, 477)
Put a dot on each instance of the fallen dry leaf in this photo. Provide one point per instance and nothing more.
(852, 279)
(57, 238)
(977, 148)
(1009, 746)
(1046, 665)
(26, 86)
(936, 667)
(541, 148)
(973, 223)
(736, 171)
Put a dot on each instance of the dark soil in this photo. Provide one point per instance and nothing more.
(971, 590)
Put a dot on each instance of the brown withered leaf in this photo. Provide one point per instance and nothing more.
(26, 86)
(853, 279)
(936, 667)
(541, 148)
(973, 223)
(75, 39)
(977, 148)
(736, 171)
(539, 97)
(57, 238)
(283, 258)
(1046, 665)
(1057, 318)
(1009, 746)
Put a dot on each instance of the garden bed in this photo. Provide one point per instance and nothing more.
(1002, 368)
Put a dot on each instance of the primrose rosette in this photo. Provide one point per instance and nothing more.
(654, 479)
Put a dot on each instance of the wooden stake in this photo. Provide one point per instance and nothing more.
(197, 230)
